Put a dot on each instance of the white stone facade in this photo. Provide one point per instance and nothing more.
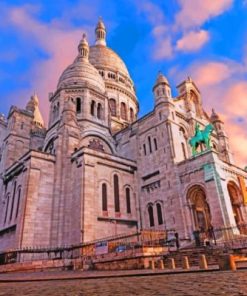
(98, 171)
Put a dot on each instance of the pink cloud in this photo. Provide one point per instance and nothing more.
(153, 12)
(163, 49)
(59, 43)
(194, 13)
(192, 41)
(210, 73)
(236, 100)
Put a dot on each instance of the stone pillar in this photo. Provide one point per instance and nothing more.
(161, 264)
(203, 262)
(172, 264)
(185, 263)
(152, 264)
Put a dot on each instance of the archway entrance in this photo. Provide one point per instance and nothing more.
(236, 201)
(200, 208)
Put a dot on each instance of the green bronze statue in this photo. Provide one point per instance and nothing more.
(201, 136)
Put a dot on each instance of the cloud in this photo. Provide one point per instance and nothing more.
(194, 13)
(163, 49)
(152, 12)
(163, 46)
(236, 100)
(211, 73)
(58, 42)
(192, 41)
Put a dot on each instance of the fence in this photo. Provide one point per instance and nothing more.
(107, 245)
(232, 237)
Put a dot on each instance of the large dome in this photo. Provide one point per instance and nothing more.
(110, 66)
(103, 56)
(81, 72)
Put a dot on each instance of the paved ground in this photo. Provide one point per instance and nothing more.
(209, 283)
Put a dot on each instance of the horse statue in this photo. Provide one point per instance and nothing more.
(201, 136)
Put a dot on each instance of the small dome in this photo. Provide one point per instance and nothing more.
(81, 72)
(33, 106)
(100, 24)
(161, 79)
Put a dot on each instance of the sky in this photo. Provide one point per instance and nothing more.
(204, 39)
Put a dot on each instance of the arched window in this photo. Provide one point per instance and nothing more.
(151, 216)
(144, 149)
(131, 115)
(54, 110)
(58, 106)
(7, 207)
(123, 111)
(18, 202)
(113, 107)
(199, 207)
(92, 109)
(104, 197)
(128, 204)
(99, 111)
(150, 144)
(236, 201)
(155, 144)
(116, 193)
(13, 202)
(184, 150)
(159, 214)
(195, 99)
(78, 105)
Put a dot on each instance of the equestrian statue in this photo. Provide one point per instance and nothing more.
(201, 137)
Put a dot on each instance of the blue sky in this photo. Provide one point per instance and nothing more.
(204, 39)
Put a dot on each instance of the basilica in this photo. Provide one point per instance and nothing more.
(97, 170)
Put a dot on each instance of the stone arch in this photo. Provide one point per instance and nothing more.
(183, 131)
(236, 199)
(196, 101)
(87, 137)
(201, 215)
(49, 146)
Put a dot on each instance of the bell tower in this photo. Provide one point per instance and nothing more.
(161, 90)
(223, 145)
(100, 33)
